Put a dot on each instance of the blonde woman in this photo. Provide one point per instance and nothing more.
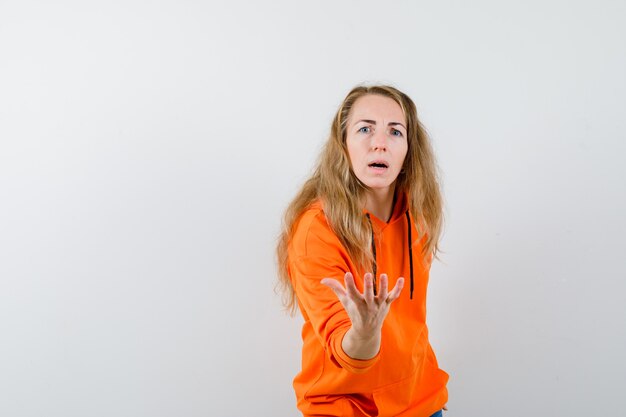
(354, 256)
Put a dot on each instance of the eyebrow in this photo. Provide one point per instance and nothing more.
(373, 122)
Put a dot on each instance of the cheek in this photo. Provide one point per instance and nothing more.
(350, 151)
(403, 153)
(353, 152)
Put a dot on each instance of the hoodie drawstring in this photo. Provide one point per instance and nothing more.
(373, 251)
(408, 219)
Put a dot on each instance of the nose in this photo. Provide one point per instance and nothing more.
(379, 141)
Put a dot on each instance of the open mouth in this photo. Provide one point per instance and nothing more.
(378, 165)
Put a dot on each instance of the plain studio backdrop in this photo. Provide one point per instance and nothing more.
(148, 150)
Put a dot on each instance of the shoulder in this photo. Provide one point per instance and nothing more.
(312, 233)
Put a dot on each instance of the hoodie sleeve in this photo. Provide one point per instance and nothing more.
(321, 255)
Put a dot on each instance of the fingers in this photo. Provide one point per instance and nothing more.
(368, 288)
(382, 290)
(351, 289)
(334, 285)
(395, 293)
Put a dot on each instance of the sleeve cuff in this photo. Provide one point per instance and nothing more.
(356, 366)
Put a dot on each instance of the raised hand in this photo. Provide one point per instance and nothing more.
(366, 311)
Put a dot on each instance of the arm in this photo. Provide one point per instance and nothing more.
(315, 254)
(366, 311)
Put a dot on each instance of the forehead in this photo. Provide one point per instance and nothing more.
(376, 107)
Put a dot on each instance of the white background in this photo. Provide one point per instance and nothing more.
(147, 150)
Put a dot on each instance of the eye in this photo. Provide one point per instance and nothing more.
(396, 132)
(364, 129)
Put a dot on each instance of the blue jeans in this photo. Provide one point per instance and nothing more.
(437, 414)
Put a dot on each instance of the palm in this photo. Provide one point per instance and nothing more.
(366, 310)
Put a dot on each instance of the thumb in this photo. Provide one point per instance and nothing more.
(334, 285)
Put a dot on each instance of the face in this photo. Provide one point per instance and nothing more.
(376, 139)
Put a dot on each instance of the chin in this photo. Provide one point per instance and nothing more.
(377, 186)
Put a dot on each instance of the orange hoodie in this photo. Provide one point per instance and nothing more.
(403, 379)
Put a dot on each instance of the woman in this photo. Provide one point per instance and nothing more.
(370, 216)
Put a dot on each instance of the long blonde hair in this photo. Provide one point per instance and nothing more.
(335, 184)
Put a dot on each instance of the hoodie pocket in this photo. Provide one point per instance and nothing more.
(396, 398)
(422, 392)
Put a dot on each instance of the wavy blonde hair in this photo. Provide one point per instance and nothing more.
(343, 195)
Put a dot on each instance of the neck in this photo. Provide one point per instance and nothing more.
(380, 202)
